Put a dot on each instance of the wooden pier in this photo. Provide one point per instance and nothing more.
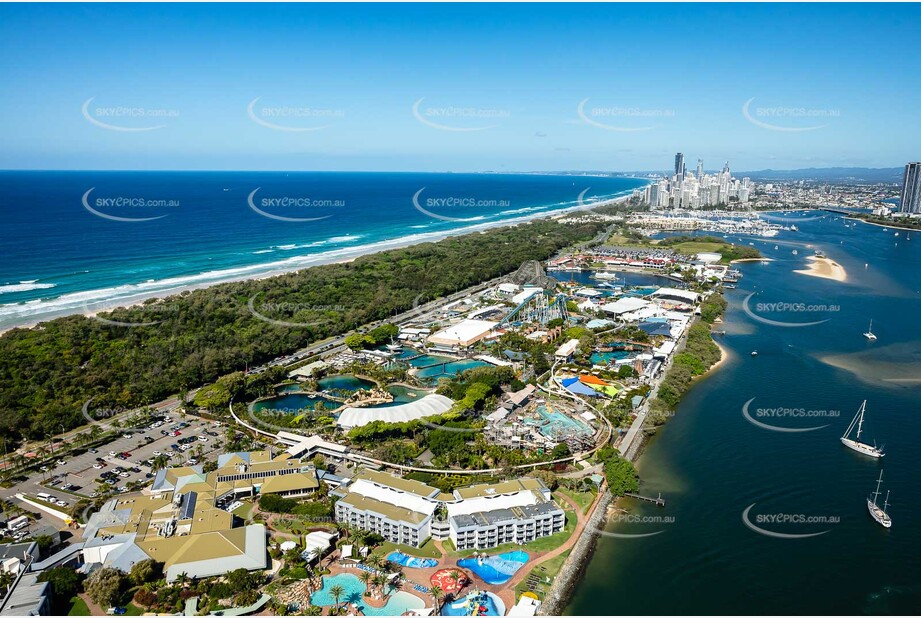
(658, 501)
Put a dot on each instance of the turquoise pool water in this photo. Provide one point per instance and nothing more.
(401, 395)
(294, 403)
(344, 383)
(434, 367)
(603, 358)
(354, 588)
(411, 561)
(496, 569)
(490, 603)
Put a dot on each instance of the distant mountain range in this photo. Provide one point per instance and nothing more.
(851, 174)
(822, 174)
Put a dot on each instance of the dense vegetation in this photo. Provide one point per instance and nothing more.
(728, 250)
(619, 473)
(47, 373)
(699, 354)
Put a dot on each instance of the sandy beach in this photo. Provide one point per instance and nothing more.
(294, 263)
(824, 268)
(724, 356)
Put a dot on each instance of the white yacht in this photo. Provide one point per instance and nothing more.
(856, 444)
(877, 513)
(869, 334)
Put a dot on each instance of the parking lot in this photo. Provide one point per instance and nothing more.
(118, 464)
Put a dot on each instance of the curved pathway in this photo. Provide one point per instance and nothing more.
(508, 592)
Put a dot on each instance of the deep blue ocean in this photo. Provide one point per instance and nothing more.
(79, 241)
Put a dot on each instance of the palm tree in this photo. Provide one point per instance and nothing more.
(380, 580)
(437, 594)
(456, 576)
(337, 591)
(182, 579)
(160, 461)
(365, 576)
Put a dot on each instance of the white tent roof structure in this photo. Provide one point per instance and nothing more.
(429, 405)
(625, 305)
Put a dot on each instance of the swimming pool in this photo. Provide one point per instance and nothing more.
(430, 368)
(492, 603)
(411, 561)
(353, 591)
(496, 569)
(603, 358)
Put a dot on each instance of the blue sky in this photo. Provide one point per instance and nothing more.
(333, 87)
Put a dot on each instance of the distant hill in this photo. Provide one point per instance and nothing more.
(837, 174)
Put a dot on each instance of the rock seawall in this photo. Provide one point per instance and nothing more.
(555, 600)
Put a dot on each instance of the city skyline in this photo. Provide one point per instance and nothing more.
(435, 88)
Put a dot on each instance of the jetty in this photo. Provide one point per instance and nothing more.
(658, 501)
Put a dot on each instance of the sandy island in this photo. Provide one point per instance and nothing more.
(824, 268)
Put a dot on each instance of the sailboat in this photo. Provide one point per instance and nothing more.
(856, 444)
(869, 334)
(879, 514)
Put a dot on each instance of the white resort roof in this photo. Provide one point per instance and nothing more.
(491, 503)
(402, 499)
(429, 405)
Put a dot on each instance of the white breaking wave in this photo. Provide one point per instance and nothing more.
(105, 299)
(24, 286)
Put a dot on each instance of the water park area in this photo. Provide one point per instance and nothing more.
(411, 562)
(555, 424)
(477, 603)
(497, 569)
(353, 589)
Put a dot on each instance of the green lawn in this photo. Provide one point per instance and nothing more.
(544, 571)
(582, 498)
(428, 549)
(133, 610)
(693, 248)
(78, 607)
(245, 511)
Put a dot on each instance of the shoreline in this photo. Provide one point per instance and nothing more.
(297, 263)
(887, 225)
(580, 556)
(824, 268)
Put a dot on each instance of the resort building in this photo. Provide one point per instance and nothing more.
(400, 510)
(244, 474)
(184, 530)
(181, 521)
(565, 351)
(516, 511)
(26, 596)
(461, 335)
(409, 512)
